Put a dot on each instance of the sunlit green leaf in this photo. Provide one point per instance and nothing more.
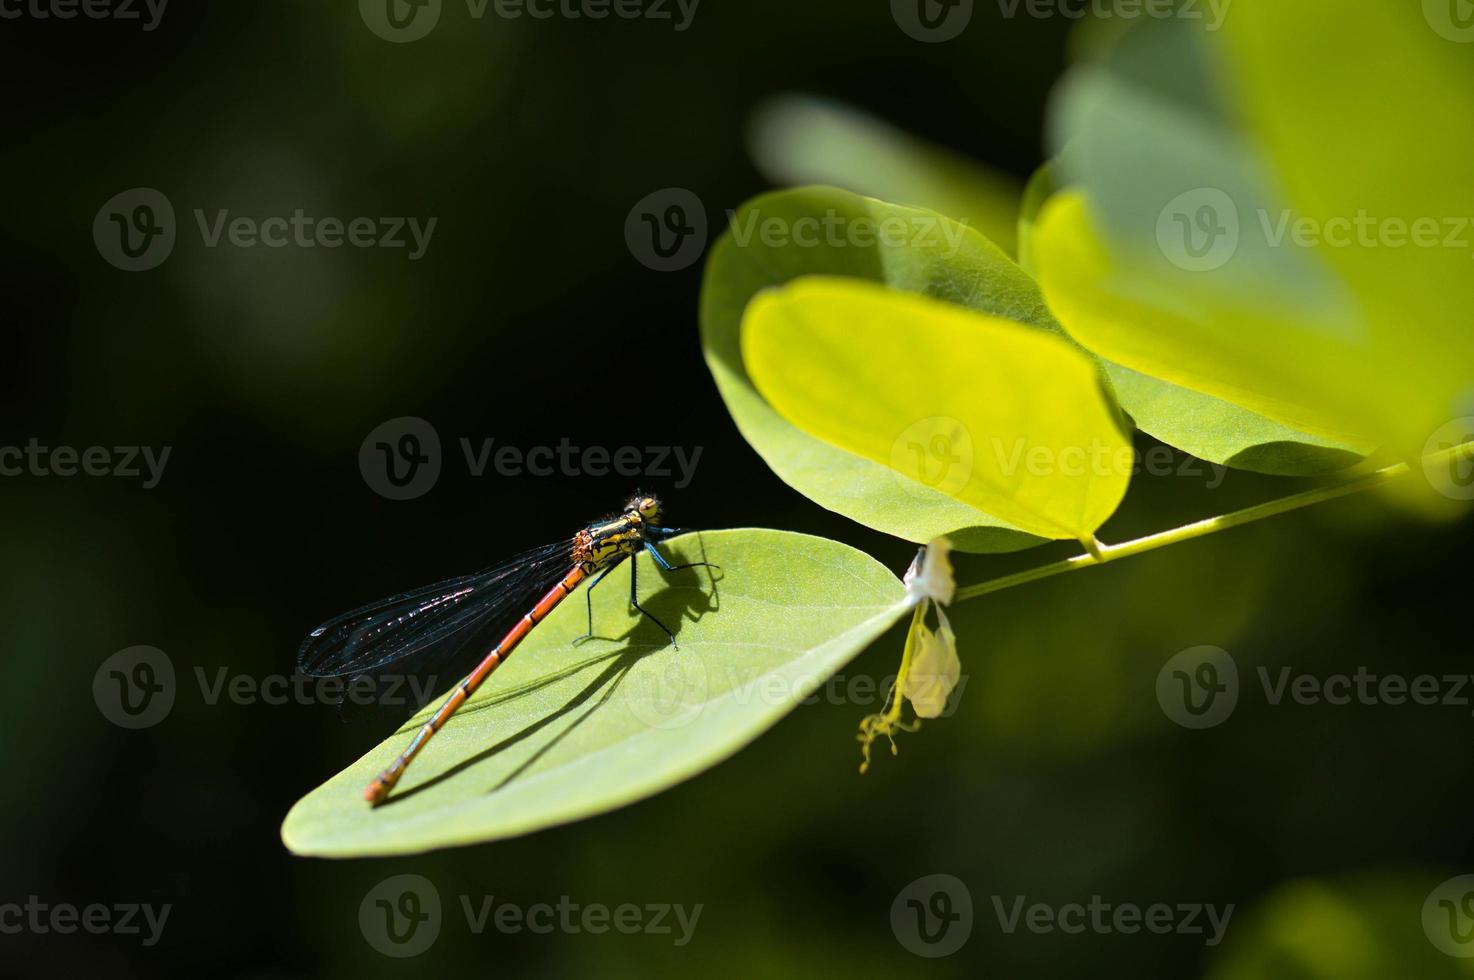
(1222, 432)
(1379, 142)
(563, 732)
(1196, 422)
(779, 237)
(1141, 128)
(1184, 331)
(1227, 200)
(1041, 187)
(1009, 419)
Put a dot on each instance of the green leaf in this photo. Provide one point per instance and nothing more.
(1385, 133)
(1140, 128)
(1041, 187)
(1186, 139)
(1198, 423)
(562, 732)
(940, 258)
(1222, 432)
(1186, 333)
(1010, 420)
(799, 139)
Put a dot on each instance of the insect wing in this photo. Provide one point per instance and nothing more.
(432, 627)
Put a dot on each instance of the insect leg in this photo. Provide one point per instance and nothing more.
(635, 601)
(660, 560)
(589, 597)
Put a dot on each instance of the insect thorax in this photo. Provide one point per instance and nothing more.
(600, 546)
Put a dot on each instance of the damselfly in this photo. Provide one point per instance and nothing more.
(438, 627)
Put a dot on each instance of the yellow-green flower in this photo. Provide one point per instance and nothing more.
(930, 667)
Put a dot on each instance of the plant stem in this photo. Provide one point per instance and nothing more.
(1102, 553)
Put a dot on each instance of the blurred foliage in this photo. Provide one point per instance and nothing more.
(802, 140)
(1350, 927)
(1359, 338)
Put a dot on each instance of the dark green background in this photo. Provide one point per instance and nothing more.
(1058, 778)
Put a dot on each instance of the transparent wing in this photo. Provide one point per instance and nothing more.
(433, 627)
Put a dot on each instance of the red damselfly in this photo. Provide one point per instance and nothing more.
(437, 628)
